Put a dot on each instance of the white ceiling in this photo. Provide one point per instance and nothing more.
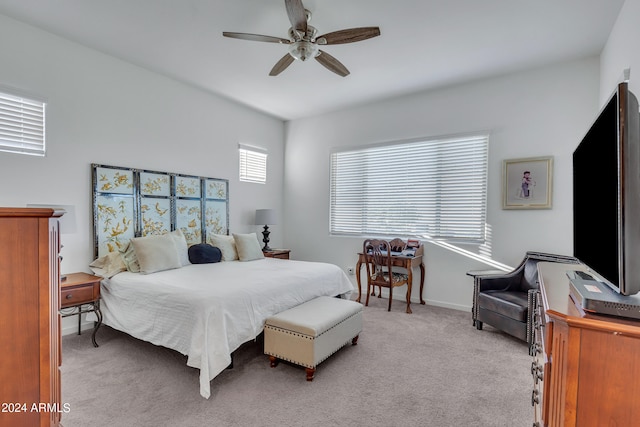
(424, 43)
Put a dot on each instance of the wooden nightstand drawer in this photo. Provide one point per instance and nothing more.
(74, 296)
(277, 253)
(80, 294)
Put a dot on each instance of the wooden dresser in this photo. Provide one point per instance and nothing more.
(29, 317)
(586, 367)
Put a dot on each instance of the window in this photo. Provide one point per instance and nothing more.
(21, 125)
(253, 164)
(433, 188)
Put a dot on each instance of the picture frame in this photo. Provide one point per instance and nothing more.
(527, 183)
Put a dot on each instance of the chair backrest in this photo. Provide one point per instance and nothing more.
(530, 275)
(529, 279)
(378, 253)
(397, 245)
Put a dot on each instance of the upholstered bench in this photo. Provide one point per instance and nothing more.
(311, 332)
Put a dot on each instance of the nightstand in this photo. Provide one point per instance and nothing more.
(80, 293)
(277, 253)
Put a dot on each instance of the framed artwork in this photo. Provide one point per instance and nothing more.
(527, 183)
(130, 202)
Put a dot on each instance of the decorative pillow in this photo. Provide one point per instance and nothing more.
(156, 253)
(108, 265)
(129, 258)
(204, 253)
(227, 246)
(181, 247)
(248, 247)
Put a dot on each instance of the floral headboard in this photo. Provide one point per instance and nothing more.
(135, 202)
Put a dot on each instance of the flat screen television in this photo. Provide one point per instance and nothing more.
(606, 194)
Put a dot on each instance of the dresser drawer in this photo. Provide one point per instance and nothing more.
(74, 296)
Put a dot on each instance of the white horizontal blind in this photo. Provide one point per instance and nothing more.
(434, 189)
(22, 127)
(253, 164)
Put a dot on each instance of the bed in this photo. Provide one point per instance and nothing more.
(145, 223)
(206, 311)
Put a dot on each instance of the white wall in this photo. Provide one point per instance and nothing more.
(622, 51)
(102, 110)
(542, 112)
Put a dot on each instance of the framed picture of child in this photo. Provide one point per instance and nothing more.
(527, 183)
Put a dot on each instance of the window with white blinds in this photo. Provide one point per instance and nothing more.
(22, 127)
(253, 164)
(433, 188)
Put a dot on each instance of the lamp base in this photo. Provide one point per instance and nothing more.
(265, 239)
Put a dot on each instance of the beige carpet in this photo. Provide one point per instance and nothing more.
(429, 368)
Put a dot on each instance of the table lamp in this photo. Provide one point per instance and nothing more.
(266, 217)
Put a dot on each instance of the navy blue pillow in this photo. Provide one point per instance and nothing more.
(204, 253)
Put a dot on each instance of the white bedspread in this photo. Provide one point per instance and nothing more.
(206, 311)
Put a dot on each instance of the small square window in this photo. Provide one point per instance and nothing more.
(253, 164)
(22, 124)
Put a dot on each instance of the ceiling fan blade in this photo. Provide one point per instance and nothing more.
(350, 35)
(332, 64)
(297, 15)
(281, 65)
(256, 37)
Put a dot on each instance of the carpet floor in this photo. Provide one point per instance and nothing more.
(429, 368)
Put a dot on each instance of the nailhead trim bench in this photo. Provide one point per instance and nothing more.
(311, 332)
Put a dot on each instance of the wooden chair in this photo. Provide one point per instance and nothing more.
(397, 245)
(379, 270)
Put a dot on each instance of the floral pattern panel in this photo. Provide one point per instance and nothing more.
(155, 184)
(156, 215)
(216, 189)
(215, 217)
(114, 181)
(187, 186)
(114, 218)
(189, 219)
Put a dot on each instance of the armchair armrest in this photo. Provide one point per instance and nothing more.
(501, 282)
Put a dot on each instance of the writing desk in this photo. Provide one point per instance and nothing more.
(399, 260)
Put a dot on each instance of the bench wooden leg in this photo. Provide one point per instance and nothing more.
(273, 361)
(354, 341)
(310, 373)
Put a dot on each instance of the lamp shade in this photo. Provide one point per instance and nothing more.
(266, 217)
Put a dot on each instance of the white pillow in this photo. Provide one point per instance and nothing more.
(129, 258)
(108, 265)
(226, 244)
(156, 253)
(248, 247)
(181, 247)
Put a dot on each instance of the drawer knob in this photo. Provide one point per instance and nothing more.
(69, 296)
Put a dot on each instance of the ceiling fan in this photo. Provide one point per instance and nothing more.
(303, 40)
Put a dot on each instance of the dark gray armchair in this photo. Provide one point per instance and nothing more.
(506, 301)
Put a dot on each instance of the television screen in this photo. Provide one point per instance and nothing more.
(606, 194)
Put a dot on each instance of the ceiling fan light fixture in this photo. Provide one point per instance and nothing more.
(303, 50)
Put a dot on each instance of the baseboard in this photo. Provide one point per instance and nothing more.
(459, 307)
(73, 329)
